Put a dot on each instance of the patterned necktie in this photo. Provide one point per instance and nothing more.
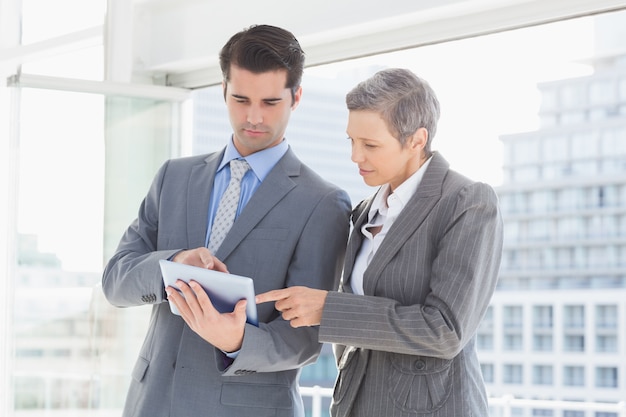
(225, 216)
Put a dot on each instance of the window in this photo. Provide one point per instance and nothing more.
(555, 148)
(606, 377)
(574, 376)
(606, 343)
(513, 342)
(524, 152)
(484, 341)
(574, 94)
(513, 318)
(574, 317)
(606, 317)
(602, 92)
(487, 371)
(542, 375)
(584, 144)
(542, 317)
(539, 229)
(542, 201)
(574, 343)
(513, 374)
(542, 343)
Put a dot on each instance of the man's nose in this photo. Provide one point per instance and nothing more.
(255, 116)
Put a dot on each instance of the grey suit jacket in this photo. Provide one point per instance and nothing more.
(293, 231)
(426, 291)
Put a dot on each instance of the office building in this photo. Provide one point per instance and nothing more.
(556, 328)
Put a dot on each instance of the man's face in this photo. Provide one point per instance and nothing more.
(259, 107)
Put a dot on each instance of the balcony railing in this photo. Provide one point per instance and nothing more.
(500, 407)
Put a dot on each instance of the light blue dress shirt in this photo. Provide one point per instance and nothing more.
(261, 163)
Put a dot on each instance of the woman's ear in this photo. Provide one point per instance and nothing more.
(417, 141)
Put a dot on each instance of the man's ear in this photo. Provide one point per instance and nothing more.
(297, 96)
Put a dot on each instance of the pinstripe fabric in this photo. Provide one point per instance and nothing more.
(426, 290)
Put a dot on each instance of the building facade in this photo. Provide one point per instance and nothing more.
(556, 328)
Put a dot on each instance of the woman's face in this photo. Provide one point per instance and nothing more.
(379, 155)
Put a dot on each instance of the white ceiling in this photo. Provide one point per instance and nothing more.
(179, 40)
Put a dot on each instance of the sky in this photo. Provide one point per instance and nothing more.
(487, 87)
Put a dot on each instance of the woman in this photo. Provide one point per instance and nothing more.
(420, 268)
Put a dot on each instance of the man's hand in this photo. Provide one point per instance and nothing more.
(302, 306)
(222, 330)
(201, 257)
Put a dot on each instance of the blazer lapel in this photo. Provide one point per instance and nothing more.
(273, 188)
(354, 244)
(198, 195)
(412, 216)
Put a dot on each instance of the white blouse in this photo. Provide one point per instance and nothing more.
(383, 212)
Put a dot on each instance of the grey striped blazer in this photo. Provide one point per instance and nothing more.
(411, 338)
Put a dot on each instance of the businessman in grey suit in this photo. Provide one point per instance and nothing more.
(291, 230)
(420, 268)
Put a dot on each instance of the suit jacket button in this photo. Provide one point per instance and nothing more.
(148, 298)
(419, 365)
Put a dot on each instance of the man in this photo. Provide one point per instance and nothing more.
(291, 229)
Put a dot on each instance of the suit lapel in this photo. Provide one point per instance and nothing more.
(199, 193)
(273, 189)
(411, 217)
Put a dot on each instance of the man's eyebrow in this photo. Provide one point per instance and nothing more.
(267, 100)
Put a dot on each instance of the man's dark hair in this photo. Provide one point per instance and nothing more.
(263, 48)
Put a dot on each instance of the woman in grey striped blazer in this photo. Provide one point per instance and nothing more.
(420, 269)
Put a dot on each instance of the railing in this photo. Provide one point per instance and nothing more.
(506, 403)
(317, 393)
(503, 406)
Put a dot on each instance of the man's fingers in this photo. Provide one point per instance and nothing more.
(240, 309)
(209, 261)
(219, 265)
(202, 298)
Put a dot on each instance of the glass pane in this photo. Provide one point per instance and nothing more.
(60, 212)
(62, 179)
(519, 109)
(73, 351)
(85, 64)
(43, 19)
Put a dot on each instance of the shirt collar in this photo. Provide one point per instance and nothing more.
(260, 162)
(403, 193)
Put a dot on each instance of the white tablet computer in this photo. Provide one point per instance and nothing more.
(224, 290)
